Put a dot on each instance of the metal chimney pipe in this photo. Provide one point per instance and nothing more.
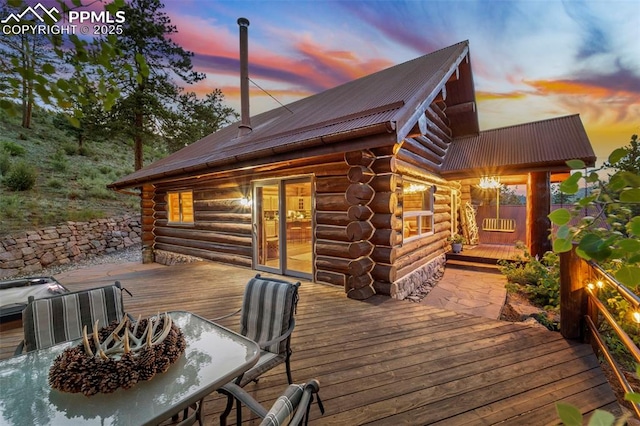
(245, 125)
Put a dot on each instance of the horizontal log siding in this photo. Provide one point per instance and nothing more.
(222, 227)
(420, 158)
(413, 254)
(332, 254)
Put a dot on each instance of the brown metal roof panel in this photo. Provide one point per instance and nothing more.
(551, 141)
(369, 100)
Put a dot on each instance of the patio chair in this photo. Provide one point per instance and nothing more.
(267, 317)
(293, 405)
(60, 318)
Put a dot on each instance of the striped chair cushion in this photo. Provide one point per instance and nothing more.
(267, 310)
(61, 318)
(284, 407)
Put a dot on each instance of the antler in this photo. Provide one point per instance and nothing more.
(122, 340)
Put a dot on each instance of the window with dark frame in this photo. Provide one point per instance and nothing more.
(417, 209)
(180, 207)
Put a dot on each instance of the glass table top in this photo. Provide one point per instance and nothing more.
(213, 357)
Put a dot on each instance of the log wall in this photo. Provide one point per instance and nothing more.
(222, 226)
(341, 242)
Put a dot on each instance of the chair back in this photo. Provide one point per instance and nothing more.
(267, 310)
(292, 407)
(61, 318)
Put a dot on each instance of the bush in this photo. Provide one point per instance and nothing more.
(55, 183)
(539, 279)
(59, 161)
(70, 149)
(5, 162)
(14, 149)
(85, 152)
(21, 177)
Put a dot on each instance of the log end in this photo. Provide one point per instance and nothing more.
(361, 293)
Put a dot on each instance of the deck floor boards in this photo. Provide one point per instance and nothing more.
(383, 361)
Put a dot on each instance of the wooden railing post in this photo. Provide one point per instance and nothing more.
(573, 300)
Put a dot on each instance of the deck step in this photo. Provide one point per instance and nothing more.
(473, 266)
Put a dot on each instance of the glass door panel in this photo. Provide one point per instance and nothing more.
(267, 226)
(298, 229)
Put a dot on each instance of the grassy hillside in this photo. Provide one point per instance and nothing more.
(70, 185)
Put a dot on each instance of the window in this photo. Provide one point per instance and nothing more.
(180, 207)
(417, 209)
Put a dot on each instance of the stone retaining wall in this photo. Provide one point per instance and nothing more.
(29, 252)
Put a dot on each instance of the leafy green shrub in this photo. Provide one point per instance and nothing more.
(14, 149)
(539, 279)
(21, 177)
(5, 162)
(55, 183)
(11, 207)
(59, 161)
(101, 193)
(70, 149)
(84, 151)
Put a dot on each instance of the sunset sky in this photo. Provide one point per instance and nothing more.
(531, 60)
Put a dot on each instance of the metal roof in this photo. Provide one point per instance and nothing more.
(539, 145)
(379, 102)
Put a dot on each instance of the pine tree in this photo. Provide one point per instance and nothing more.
(146, 47)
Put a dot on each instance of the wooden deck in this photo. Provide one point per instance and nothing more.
(486, 253)
(384, 361)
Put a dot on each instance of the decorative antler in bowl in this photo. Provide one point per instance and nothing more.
(119, 355)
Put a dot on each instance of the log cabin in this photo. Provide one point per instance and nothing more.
(358, 186)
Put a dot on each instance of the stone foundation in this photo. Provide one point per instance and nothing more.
(29, 252)
(409, 283)
(169, 258)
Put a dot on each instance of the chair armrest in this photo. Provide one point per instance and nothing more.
(19, 348)
(226, 316)
(310, 388)
(241, 395)
(280, 338)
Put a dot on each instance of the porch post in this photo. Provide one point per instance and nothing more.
(147, 221)
(538, 208)
(573, 300)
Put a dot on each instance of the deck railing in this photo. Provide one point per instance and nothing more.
(581, 310)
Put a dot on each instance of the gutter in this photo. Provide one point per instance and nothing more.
(387, 127)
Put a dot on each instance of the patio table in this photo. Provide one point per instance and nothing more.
(214, 356)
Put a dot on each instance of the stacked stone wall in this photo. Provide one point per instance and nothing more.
(29, 252)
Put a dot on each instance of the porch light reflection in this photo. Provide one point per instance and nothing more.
(414, 188)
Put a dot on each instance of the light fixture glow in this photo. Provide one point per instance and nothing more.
(600, 284)
(487, 182)
(591, 287)
(245, 202)
(636, 317)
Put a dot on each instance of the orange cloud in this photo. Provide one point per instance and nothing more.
(490, 96)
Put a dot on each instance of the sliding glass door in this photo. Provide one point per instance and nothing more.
(283, 227)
